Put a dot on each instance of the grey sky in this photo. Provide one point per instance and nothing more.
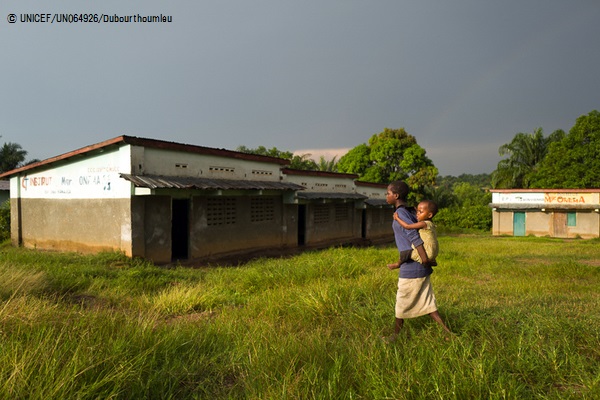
(463, 77)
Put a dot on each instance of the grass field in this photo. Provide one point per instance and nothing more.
(525, 311)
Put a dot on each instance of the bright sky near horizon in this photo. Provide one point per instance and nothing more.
(316, 77)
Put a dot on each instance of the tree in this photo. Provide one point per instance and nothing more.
(468, 195)
(574, 161)
(480, 180)
(525, 152)
(391, 155)
(302, 162)
(12, 156)
(327, 165)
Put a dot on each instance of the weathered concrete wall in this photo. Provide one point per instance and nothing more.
(379, 223)
(83, 225)
(332, 223)
(176, 163)
(502, 223)
(138, 218)
(221, 225)
(588, 225)
(157, 228)
(538, 223)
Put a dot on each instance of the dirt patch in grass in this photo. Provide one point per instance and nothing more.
(593, 263)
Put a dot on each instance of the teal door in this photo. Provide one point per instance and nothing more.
(519, 224)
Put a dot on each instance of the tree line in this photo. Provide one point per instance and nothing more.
(531, 160)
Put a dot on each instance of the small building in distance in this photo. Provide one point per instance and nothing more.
(561, 213)
(167, 201)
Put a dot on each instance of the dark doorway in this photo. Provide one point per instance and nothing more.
(363, 224)
(180, 229)
(301, 224)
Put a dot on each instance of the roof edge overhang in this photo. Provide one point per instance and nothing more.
(371, 184)
(65, 156)
(565, 190)
(330, 196)
(302, 172)
(151, 143)
(542, 206)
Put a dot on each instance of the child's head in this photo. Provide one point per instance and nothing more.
(397, 190)
(426, 210)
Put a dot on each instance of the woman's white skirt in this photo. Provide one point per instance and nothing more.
(414, 298)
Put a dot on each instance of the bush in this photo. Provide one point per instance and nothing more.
(5, 221)
(471, 217)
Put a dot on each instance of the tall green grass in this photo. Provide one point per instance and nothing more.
(524, 311)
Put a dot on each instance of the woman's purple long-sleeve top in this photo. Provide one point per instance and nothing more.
(404, 239)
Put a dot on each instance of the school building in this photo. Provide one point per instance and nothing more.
(561, 213)
(167, 201)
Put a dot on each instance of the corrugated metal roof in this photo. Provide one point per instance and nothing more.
(330, 195)
(377, 203)
(180, 182)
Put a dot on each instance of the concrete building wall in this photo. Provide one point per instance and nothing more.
(226, 224)
(588, 225)
(80, 205)
(157, 228)
(378, 223)
(176, 163)
(537, 223)
(332, 222)
(82, 225)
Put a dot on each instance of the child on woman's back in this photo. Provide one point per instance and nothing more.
(426, 210)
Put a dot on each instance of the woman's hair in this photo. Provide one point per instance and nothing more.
(400, 188)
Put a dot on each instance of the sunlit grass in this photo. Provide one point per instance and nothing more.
(524, 311)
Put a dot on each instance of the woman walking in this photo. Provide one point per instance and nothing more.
(415, 294)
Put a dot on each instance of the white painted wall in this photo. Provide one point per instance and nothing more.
(174, 163)
(323, 184)
(91, 177)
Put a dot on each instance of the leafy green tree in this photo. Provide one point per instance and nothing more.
(468, 195)
(356, 161)
(574, 161)
(479, 180)
(12, 156)
(4, 220)
(471, 218)
(525, 152)
(327, 165)
(443, 195)
(391, 155)
(302, 162)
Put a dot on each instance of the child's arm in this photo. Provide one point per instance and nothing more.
(416, 225)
